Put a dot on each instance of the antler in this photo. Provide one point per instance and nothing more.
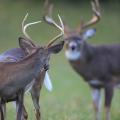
(24, 27)
(96, 14)
(48, 18)
(59, 35)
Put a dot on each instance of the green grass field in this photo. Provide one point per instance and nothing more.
(70, 99)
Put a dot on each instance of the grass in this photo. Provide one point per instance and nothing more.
(70, 99)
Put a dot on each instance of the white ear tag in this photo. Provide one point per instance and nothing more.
(89, 33)
(47, 82)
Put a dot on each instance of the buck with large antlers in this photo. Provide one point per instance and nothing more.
(98, 65)
(18, 74)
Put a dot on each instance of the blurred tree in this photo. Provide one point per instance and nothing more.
(83, 0)
(69, 0)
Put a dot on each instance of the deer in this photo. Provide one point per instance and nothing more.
(16, 76)
(98, 65)
(17, 54)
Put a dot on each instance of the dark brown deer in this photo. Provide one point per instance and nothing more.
(98, 65)
(15, 77)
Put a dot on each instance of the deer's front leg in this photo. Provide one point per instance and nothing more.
(25, 114)
(20, 105)
(109, 91)
(35, 93)
(96, 96)
(4, 110)
(35, 97)
(1, 111)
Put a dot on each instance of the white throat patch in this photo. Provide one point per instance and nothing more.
(72, 55)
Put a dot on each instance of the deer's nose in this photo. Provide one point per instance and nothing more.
(73, 48)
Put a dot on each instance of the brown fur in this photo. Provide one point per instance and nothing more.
(16, 75)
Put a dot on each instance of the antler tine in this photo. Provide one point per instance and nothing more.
(47, 17)
(48, 8)
(60, 28)
(96, 14)
(96, 8)
(24, 27)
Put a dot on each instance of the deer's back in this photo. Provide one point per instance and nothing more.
(12, 55)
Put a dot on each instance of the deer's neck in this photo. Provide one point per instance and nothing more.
(81, 65)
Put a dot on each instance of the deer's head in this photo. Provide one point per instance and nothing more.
(44, 51)
(75, 44)
(75, 40)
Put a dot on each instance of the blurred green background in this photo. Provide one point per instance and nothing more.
(71, 98)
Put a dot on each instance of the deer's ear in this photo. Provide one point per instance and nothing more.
(56, 48)
(26, 44)
(89, 33)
